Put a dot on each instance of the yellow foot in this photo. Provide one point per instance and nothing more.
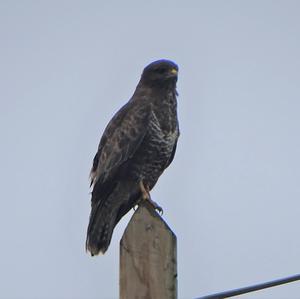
(157, 207)
(146, 196)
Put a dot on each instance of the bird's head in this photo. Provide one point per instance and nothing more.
(160, 72)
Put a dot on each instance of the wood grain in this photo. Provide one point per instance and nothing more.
(148, 257)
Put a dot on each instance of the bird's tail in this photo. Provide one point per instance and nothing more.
(105, 215)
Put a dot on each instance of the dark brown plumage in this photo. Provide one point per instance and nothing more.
(137, 145)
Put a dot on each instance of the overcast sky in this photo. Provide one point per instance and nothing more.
(232, 193)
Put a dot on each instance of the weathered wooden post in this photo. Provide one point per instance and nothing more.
(148, 258)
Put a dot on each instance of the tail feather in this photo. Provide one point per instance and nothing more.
(100, 233)
(106, 214)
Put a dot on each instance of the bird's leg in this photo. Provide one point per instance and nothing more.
(145, 191)
(146, 196)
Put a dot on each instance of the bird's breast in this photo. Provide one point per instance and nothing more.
(154, 152)
(156, 149)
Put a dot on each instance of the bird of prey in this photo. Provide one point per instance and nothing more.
(137, 145)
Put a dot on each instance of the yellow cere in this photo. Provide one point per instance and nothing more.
(174, 71)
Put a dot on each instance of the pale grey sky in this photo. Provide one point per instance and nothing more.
(232, 192)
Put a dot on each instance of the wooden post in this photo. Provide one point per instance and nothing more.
(148, 258)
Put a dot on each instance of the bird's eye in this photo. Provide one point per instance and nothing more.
(161, 70)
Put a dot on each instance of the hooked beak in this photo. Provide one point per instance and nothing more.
(174, 72)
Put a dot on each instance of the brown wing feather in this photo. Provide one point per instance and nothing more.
(120, 140)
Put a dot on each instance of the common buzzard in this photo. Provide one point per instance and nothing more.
(137, 145)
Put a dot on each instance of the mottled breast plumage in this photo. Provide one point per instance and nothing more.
(137, 145)
(159, 142)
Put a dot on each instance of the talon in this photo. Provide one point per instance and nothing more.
(146, 196)
(160, 210)
(155, 206)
